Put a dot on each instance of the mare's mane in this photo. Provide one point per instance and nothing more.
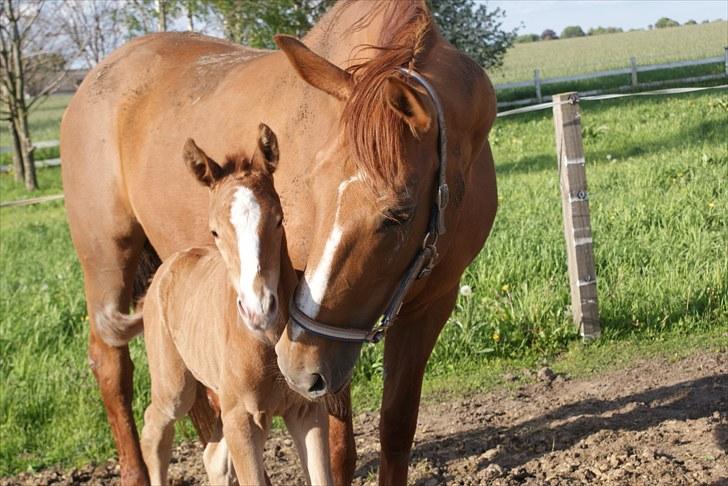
(374, 133)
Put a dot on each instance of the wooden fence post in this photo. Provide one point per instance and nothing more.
(577, 225)
(537, 83)
(633, 66)
(726, 60)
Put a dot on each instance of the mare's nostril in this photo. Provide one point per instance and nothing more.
(272, 305)
(319, 385)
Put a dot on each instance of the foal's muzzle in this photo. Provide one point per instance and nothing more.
(259, 317)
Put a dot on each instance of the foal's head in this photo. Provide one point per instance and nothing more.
(245, 220)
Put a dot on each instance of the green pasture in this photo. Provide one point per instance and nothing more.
(579, 55)
(657, 170)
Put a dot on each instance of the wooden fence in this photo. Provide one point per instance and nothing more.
(633, 70)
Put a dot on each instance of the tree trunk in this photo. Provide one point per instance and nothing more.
(190, 16)
(162, 15)
(18, 167)
(27, 149)
(20, 110)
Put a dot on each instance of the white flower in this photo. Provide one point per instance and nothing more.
(466, 291)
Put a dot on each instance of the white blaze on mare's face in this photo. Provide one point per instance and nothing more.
(316, 280)
(245, 218)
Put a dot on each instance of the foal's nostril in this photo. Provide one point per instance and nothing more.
(319, 385)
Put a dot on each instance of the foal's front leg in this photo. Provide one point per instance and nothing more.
(245, 437)
(309, 427)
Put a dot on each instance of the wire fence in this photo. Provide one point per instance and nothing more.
(658, 92)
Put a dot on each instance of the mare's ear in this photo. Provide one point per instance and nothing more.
(410, 105)
(206, 170)
(266, 154)
(314, 69)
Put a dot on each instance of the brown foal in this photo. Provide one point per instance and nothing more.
(212, 315)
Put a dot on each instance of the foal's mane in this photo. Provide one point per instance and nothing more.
(373, 131)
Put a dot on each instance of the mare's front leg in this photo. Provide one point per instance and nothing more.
(245, 436)
(309, 427)
(406, 349)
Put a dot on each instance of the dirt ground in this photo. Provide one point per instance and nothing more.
(658, 422)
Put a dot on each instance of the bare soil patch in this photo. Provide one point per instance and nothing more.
(658, 422)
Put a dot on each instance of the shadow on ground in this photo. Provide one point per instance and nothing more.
(567, 425)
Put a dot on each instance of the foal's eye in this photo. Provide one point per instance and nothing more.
(214, 233)
(279, 221)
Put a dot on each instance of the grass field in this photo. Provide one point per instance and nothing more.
(657, 171)
(579, 55)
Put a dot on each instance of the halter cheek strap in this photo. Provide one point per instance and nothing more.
(423, 262)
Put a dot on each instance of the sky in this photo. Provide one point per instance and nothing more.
(538, 15)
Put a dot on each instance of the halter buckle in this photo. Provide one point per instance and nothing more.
(431, 258)
(443, 196)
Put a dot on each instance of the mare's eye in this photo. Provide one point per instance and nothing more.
(214, 233)
(396, 217)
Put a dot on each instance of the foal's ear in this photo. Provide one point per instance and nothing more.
(266, 154)
(314, 69)
(408, 104)
(203, 167)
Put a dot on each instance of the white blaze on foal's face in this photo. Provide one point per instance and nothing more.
(253, 257)
(245, 218)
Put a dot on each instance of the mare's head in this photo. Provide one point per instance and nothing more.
(372, 188)
(245, 219)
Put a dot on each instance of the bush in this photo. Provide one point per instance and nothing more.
(604, 30)
(572, 31)
(476, 29)
(666, 22)
(521, 39)
(549, 34)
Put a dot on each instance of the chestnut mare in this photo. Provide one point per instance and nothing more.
(358, 187)
(194, 331)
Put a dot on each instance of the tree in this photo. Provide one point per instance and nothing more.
(522, 39)
(27, 58)
(666, 22)
(474, 29)
(572, 31)
(255, 23)
(92, 29)
(690, 22)
(549, 34)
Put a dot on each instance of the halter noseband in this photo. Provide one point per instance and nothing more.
(423, 262)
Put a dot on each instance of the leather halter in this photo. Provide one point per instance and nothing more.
(421, 265)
